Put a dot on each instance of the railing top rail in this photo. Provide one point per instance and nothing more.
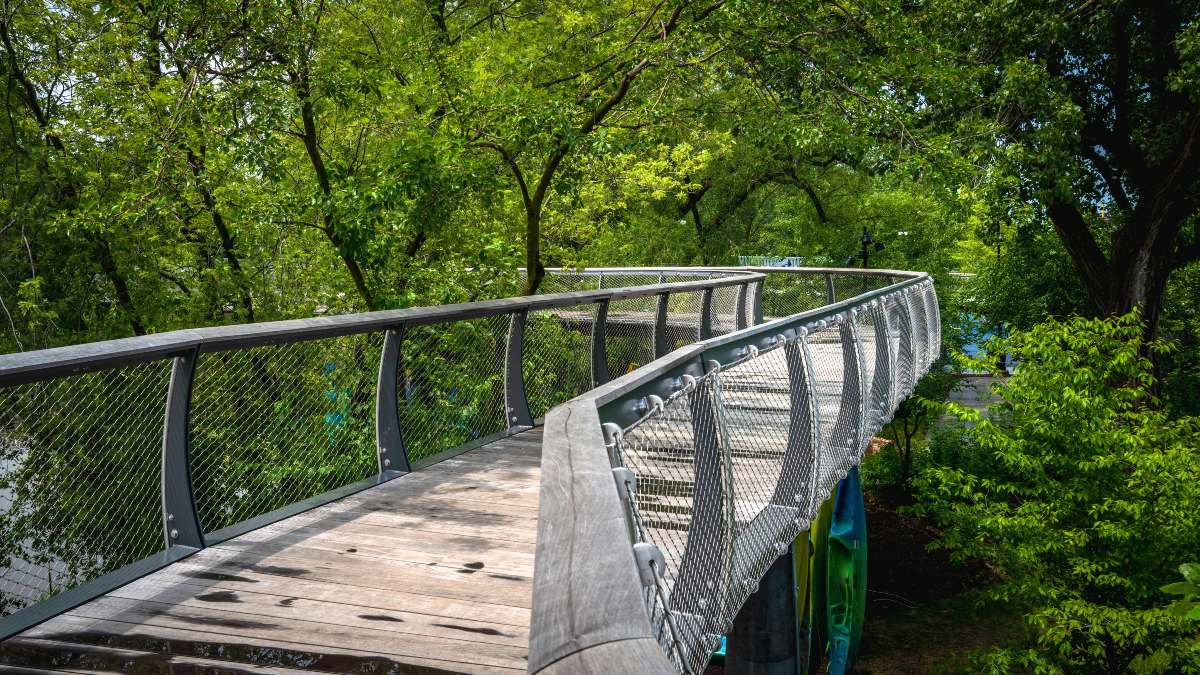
(759, 269)
(724, 347)
(23, 367)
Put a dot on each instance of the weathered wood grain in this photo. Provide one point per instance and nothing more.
(429, 572)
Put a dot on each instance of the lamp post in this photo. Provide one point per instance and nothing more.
(868, 243)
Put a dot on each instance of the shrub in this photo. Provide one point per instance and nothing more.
(1083, 494)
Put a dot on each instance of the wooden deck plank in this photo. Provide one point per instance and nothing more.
(429, 572)
(238, 651)
(315, 633)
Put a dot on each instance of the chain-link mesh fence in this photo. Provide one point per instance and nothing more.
(274, 425)
(724, 474)
(79, 477)
(788, 293)
(557, 356)
(683, 319)
(629, 334)
(725, 309)
(452, 384)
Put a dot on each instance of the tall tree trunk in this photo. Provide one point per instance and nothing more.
(196, 163)
(1134, 274)
(312, 146)
(109, 266)
(534, 270)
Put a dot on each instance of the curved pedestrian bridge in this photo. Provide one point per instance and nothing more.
(589, 480)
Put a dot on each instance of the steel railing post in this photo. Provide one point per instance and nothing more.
(740, 308)
(599, 348)
(756, 306)
(516, 404)
(705, 328)
(881, 383)
(797, 470)
(181, 524)
(830, 294)
(661, 344)
(706, 551)
(863, 386)
(389, 440)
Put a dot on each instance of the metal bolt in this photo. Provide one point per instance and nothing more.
(174, 534)
(387, 462)
(170, 517)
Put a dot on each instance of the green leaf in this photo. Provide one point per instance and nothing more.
(1180, 588)
(1191, 572)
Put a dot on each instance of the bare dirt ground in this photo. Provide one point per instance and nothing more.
(924, 613)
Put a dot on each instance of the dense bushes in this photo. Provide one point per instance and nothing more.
(1083, 494)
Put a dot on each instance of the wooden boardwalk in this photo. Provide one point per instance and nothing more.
(430, 572)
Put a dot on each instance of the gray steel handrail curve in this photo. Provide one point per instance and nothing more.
(183, 533)
(589, 609)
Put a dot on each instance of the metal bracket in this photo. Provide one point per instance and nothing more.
(626, 482)
(645, 555)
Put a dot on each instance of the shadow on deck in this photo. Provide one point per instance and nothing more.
(429, 572)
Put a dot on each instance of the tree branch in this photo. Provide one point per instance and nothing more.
(1087, 256)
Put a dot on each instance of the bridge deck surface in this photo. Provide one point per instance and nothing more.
(429, 572)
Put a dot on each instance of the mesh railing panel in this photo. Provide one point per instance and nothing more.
(920, 329)
(900, 334)
(846, 286)
(629, 334)
(683, 319)
(79, 479)
(274, 425)
(877, 361)
(679, 502)
(724, 310)
(830, 351)
(730, 469)
(557, 356)
(788, 293)
(452, 384)
(933, 316)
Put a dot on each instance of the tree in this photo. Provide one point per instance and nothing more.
(1095, 108)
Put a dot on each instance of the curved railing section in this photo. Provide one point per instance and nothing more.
(119, 457)
(668, 492)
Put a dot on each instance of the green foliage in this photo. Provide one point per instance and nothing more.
(1189, 588)
(1082, 494)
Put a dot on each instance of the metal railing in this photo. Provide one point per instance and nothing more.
(667, 493)
(120, 457)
